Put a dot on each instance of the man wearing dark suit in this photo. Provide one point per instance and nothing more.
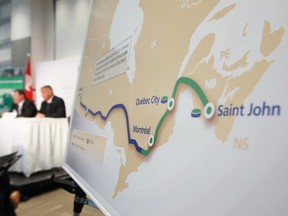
(23, 106)
(52, 106)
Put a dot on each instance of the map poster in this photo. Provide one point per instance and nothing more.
(7, 85)
(180, 108)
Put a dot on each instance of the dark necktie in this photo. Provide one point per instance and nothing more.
(17, 109)
(48, 108)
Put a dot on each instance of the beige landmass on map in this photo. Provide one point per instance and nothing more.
(223, 12)
(167, 30)
(159, 64)
(270, 39)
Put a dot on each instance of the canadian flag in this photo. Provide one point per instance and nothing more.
(28, 81)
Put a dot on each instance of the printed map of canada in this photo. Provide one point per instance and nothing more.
(186, 61)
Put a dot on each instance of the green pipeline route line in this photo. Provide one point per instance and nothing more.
(209, 108)
(193, 85)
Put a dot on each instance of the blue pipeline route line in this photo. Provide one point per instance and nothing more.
(104, 118)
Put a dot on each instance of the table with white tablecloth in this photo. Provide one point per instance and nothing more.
(40, 141)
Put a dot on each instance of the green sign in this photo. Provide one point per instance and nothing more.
(7, 85)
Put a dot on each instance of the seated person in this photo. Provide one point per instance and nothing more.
(23, 106)
(52, 106)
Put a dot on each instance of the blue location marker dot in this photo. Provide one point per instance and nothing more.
(196, 113)
(164, 99)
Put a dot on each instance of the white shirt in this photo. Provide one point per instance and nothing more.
(20, 105)
(50, 100)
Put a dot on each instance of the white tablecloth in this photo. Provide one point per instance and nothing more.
(41, 141)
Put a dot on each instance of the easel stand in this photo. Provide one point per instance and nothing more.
(6, 208)
(80, 198)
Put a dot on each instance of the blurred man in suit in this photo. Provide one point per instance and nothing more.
(52, 106)
(23, 106)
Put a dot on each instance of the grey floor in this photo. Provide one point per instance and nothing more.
(54, 203)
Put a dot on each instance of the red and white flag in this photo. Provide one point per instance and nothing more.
(28, 81)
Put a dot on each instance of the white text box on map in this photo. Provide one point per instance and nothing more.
(113, 63)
